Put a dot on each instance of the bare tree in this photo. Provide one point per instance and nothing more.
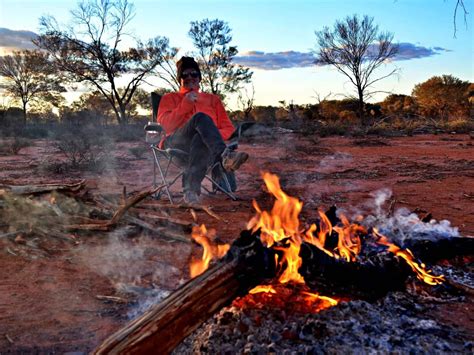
(167, 71)
(246, 103)
(89, 50)
(29, 76)
(356, 48)
(219, 75)
(459, 5)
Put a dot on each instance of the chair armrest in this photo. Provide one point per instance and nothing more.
(153, 127)
(153, 132)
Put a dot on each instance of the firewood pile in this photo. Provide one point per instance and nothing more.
(64, 212)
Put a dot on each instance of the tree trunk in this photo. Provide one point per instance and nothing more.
(361, 104)
(24, 112)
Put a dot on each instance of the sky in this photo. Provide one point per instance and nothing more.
(276, 39)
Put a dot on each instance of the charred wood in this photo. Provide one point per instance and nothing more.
(368, 279)
(431, 248)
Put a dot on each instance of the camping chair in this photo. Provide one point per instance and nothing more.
(164, 158)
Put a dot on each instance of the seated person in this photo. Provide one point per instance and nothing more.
(196, 123)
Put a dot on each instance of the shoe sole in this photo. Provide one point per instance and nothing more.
(242, 158)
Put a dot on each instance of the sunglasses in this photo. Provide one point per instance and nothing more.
(193, 74)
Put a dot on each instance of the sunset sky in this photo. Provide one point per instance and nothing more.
(276, 38)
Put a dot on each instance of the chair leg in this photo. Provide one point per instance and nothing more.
(156, 164)
(226, 181)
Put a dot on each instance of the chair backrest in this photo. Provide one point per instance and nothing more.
(153, 131)
(155, 103)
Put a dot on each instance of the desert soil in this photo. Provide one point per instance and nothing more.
(49, 288)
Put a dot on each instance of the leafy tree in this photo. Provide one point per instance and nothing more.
(89, 50)
(442, 96)
(399, 105)
(28, 77)
(215, 54)
(357, 48)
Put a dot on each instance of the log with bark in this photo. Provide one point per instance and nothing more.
(165, 325)
(43, 188)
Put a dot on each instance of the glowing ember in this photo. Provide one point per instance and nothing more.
(312, 297)
(262, 288)
(419, 269)
(211, 250)
(292, 298)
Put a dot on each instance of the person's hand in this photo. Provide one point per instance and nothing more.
(192, 96)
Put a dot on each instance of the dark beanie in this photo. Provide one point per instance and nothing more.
(186, 63)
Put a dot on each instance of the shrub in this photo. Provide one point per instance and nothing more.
(459, 125)
(139, 151)
(14, 146)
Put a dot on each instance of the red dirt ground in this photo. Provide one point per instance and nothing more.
(48, 288)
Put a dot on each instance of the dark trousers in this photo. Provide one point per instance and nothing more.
(201, 139)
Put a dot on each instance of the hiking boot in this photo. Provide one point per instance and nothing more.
(191, 198)
(233, 160)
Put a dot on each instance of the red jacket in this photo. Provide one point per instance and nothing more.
(175, 110)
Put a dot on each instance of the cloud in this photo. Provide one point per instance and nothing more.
(275, 61)
(11, 40)
(293, 59)
(407, 51)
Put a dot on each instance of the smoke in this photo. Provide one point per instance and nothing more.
(380, 197)
(404, 224)
(334, 161)
(141, 268)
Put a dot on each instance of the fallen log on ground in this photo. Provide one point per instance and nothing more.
(165, 325)
(38, 189)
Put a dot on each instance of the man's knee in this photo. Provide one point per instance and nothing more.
(202, 119)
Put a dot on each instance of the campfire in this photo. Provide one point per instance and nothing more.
(279, 262)
(281, 231)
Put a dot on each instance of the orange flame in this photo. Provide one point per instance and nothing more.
(407, 255)
(262, 288)
(327, 301)
(349, 243)
(211, 250)
(281, 227)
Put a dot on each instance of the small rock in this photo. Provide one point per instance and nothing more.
(275, 337)
(19, 239)
(251, 338)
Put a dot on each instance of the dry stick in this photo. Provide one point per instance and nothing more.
(107, 225)
(133, 201)
(163, 232)
(144, 213)
(11, 234)
(35, 189)
(9, 339)
(460, 286)
(53, 233)
(111, 298)
(184, 206)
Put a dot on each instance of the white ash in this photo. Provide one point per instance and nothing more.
(396, 323)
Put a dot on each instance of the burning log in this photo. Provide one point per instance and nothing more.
(165, 325)
(368, 279)
(431, 248)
